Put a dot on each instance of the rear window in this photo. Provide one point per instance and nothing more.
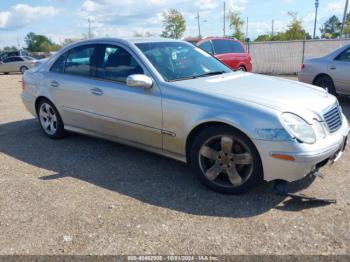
(222, 46)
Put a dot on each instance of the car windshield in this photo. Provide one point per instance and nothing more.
(179, 61)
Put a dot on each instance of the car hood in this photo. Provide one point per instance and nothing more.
(277, 93)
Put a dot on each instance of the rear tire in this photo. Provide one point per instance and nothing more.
(23, 69)
(50, 120)
(6, 73)
(326, 82)
(225, 160)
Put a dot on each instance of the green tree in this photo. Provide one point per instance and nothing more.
(295, 29)
(39, 43)
(262, 38)
(331, 28)
(236, 23)
(174, 24)
(9, 49)
(347, 26)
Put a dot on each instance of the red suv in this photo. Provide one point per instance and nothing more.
(230, 52)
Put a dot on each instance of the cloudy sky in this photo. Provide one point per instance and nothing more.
(60, 19)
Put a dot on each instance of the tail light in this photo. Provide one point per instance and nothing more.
(302, 66)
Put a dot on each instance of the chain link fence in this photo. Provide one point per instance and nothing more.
(286, 57)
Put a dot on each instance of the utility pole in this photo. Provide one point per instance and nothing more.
(89, 30)
(316, 7)
(199, 26)
(344, 18)
(224, 18)
(247, 29)
(273, 28)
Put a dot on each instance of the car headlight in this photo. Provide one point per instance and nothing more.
(319, 129)
(298, 128)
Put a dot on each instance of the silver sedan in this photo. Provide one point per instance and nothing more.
(170, 97)
(17, 64)
(331, 72)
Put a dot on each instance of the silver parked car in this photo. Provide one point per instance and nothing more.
(170, 97)
(331, 72)
(17, 64)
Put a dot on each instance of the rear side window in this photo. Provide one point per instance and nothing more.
(79, 62)
(58, 66)
(207, 47)
(345, 56)
(222, 46)
(8, 60)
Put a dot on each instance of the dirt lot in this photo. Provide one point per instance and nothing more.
(82, 195)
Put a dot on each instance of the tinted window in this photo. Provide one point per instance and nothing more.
(116, 64)
(227, 46)
(58, 66)
(345, 56)
(17, 59)
(79, 61)
(8, 60)
(207, 47)
(180, 61)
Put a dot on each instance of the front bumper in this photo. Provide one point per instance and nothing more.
(307, 157)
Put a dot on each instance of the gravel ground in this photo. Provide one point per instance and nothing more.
(82, 195)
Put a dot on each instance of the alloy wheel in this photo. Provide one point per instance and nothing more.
(226, 161)
(48, 119)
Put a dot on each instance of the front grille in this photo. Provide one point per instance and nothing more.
(333, 119)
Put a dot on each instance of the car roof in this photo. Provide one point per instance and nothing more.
(136, 40)
(219, 38)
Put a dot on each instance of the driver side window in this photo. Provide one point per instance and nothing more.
(117, 64)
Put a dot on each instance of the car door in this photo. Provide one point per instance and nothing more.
(339, 70)
(69, 84)
(18, 63)
(125, 112)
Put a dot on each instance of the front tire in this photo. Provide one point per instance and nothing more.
(327, 83)
(242, 69)
(225, 160)
(50, 120)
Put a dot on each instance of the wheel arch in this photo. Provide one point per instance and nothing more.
(37, 102)
(200, 127)
(319, 75)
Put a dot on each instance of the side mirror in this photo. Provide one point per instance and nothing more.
(141, 81)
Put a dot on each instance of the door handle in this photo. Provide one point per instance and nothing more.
(333, 67)
(96, 91)
(55, 84)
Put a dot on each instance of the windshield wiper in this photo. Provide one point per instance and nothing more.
(212, 73)
(196, 76)
(182, 78)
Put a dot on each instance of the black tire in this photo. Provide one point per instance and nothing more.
(23, 69)
(250, 174)
(326, 82)
(55, 125)
(6, 73)
(242, 68)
